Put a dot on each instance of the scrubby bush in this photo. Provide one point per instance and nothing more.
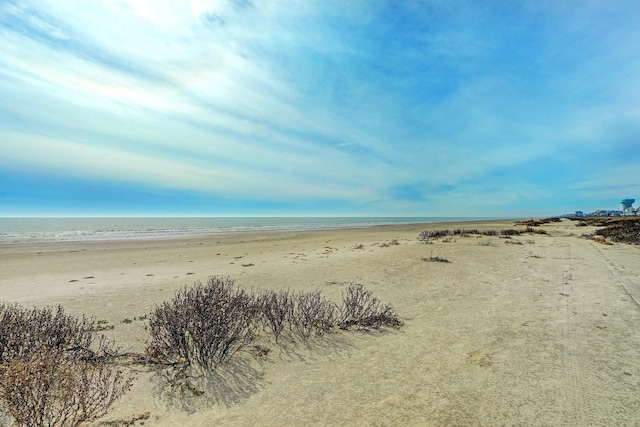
(361, 308)
(25, 332)
(276, 309)
(53, 368)
(312, 313)
(203, 324)
(435, 259)
(626, 230)
(53, 389)
(428, 235)
(511, 232)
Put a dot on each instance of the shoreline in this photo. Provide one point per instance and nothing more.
(324, 224)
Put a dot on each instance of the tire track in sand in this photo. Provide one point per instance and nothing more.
(573, 393)
(630, 288)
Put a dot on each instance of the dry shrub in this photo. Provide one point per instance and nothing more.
(52, 367)
(511, 232)
(276, 309)
(25, 332)
(203, 324)
(361, 308)
(312, 313)
(53, 389)
(429, 235)
(436, 259)
(625, 230)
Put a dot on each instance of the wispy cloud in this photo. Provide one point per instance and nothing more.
(378, 108)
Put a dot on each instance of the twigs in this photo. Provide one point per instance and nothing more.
(276, 309)
(53, 368)
(312, 313)
(204, 324)
(361, 308)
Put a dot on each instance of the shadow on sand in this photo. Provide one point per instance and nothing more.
(192, 389)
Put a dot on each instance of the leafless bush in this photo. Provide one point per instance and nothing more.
(52, 389)
(52, 367)
(435, 259)
(359, 246)
(511, 232)
(624, 230)
(203, 324)
(276, 309)
(535, 230)
(361, 308)
(25, 332)
(429, 235)
(465, 232)
(312, 313)
(486, 243)
(513, 242)
(394, 242)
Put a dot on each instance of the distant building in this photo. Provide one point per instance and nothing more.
(627, 206)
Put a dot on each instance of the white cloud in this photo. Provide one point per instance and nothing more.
(304, 99)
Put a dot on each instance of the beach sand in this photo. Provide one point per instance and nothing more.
(542, 333)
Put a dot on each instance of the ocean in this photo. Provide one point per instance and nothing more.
(38, 229)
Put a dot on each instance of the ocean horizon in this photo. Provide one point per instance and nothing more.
(20, 229)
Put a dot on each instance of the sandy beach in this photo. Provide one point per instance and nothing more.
(537, 330)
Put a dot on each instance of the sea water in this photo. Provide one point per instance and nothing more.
(36, 229)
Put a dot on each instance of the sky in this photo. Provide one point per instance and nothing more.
(302, 107)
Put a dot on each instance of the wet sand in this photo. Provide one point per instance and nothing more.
(533, 330)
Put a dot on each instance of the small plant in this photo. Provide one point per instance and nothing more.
(435, 259)
(511, 232)
(513, 242)
(361, 308)
(359, 246)
(101, 325)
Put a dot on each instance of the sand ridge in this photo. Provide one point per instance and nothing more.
(533, 330)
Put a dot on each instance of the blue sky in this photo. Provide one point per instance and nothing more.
(246, 107)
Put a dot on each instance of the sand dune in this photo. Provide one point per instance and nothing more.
(533, 330)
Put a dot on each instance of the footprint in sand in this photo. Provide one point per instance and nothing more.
(480, 359)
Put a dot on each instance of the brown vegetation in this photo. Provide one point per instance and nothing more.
(362, 309)
(538, 222)
(53, 368)
(428, 236)
(203, 324)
